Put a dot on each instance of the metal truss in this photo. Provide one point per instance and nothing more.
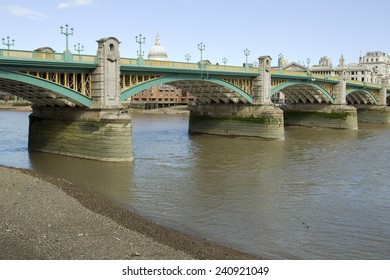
(130, 80)
(79, 82)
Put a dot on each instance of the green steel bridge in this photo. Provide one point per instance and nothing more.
(66, 80)
(77, 99)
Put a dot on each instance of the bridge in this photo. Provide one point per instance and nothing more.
(77, 99)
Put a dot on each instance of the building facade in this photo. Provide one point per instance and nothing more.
(161, 96)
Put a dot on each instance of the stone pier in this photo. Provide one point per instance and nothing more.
(321, 115)
(96, 134)
(237, 120)
(379, 113)
(260, 119)
(373, 113)
(102, 132)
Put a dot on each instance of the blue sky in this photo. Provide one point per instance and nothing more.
(298, 29)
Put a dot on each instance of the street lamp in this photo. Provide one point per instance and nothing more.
(8, 44)
(140, 40)
(188, 57)
(308, 60)
(224, 60)
(201, 47)
(66, 33)
(246, 53)
(79, 49)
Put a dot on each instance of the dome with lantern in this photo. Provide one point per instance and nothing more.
(157, 52)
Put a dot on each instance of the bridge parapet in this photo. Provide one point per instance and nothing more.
(45, 56)
(150, 65)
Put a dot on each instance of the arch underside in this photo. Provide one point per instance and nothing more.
(39, 92)
(304, 93)
(208, 90)
(360, 97)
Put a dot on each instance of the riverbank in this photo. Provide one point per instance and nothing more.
(15, 105)
(49, 218)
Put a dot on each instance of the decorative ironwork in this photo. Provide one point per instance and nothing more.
(243, 83)
(79, 82)
(276, 82)
(130, 80)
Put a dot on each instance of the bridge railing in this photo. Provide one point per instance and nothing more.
(364, 84)
(305, 74)
(185, 65)
(69, 57)
(46, 56)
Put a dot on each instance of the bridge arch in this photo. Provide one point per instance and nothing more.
(360, 96)
(177, 81)
(41, 92)
(298, 91)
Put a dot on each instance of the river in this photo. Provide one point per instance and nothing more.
(320, 194)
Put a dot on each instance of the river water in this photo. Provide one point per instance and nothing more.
(320, 194)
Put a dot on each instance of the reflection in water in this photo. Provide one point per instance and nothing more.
(320, 194)
(107, 178)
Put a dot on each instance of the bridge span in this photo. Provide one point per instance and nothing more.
(77, 99)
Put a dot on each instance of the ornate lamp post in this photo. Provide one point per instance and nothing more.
(8, 44)
(188, 57)
(66, 33)
(140, 40)
(224, 60)
(79, 49)
(201, 47)
(246, 53)
(308, 60)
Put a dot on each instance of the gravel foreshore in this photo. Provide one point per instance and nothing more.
(47, 218)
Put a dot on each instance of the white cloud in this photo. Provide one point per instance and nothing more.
(24, 12)
(74, 3)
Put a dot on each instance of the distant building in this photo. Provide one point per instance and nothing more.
(371, 68)
(161, 96)
(378, 62)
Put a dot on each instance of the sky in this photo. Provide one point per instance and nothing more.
(297, 29)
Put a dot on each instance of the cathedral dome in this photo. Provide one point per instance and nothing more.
(157, 52)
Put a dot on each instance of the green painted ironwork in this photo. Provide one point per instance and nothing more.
(8, 43)
(47, 85)
(39, 59)
(67, 34)
(294, 83)
(168, 71)
(165, 80)
(350, 91)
